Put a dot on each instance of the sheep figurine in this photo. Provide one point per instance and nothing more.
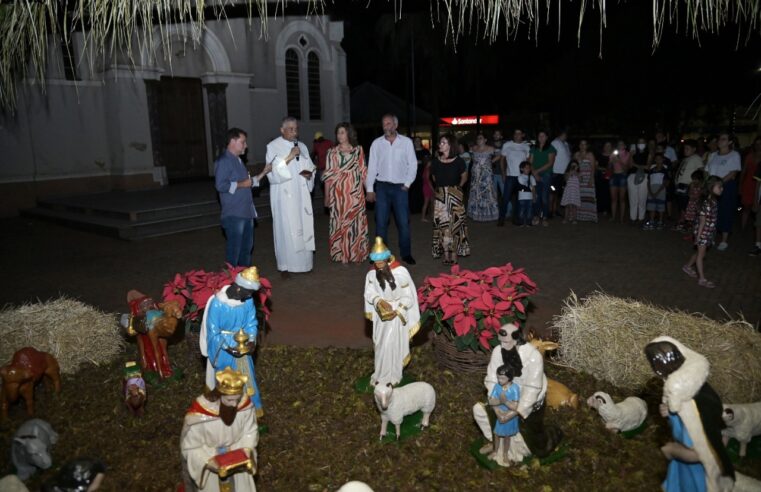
(396, 403)
(619, 417)
(743, 422)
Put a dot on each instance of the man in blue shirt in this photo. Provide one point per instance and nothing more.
(233, 183)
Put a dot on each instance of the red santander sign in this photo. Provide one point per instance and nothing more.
(487, 119)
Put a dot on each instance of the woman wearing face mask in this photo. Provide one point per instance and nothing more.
(636, 183)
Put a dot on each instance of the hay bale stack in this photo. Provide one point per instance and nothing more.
(605, 336)
(73, 332)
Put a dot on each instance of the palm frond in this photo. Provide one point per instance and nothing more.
(129, 28)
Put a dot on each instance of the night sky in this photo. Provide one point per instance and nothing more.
(631, 89)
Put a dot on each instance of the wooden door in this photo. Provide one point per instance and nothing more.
(182, 128)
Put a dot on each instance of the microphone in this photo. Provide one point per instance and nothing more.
(296, 144)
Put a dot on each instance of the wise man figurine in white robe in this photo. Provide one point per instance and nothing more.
(391, 304)
(291, 182)
(219, 438)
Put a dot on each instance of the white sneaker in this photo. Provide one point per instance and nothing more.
(722, 246)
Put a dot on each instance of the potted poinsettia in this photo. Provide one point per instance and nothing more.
(192, 290)
(468, 307)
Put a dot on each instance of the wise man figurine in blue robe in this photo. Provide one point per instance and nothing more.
(228, 332)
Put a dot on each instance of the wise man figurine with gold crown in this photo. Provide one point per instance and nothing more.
(219, 437)
(391, 304)
(228, 332)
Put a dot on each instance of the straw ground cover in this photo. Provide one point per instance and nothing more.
(322, 433)
(73, 332)
(604, 336)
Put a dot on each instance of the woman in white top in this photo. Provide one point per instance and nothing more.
(725, 164)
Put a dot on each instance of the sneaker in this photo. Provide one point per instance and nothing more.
(722, 246)
(755, 252)
(648, 226)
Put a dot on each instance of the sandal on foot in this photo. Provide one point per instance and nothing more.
(690, 271)
(706, 283)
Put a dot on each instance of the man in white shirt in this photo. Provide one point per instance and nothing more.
(390, 172)
(514, 152)
(291, 182)
(562, 159)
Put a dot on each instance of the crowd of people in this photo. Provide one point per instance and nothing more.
(695, 188)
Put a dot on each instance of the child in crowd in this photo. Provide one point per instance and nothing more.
(571, 194)
(504, 399)
(657, 184)
(693, 193)
(705, 230)
(526, 194)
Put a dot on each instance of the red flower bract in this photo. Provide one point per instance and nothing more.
(473, 305)
(193, 289)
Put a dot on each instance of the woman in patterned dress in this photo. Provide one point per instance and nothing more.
(344, 178)
(482, 203)
(449, 173)
(587, 167)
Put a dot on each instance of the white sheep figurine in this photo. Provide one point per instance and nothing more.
(619, 417)
(743, 422)
(396, 403)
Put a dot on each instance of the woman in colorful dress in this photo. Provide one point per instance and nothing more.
(587, 167)
(344, 178)
(482, 203)
(449, 173)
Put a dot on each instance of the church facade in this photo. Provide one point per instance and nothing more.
(154, 120)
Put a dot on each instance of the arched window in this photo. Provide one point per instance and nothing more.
(313, 71)
(293, 93)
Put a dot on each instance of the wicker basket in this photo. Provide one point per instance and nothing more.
(462, 361)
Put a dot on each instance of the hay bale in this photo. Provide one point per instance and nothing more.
(73, 332)
(605, 336)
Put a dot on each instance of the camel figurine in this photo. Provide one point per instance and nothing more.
(558, 394)
(153, 323)
(25, 370)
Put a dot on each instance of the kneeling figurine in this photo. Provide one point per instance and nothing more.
(219, 437)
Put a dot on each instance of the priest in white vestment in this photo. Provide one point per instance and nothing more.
(291, 182)
(216, 424)
(391, 303)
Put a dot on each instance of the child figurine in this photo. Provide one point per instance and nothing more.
(571, 199)
(504, 398)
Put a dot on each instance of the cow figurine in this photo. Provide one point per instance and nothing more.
(31, 447)
(26, 369)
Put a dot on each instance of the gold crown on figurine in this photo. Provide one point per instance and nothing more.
(249, 278)
(230, 382)
(379, 251)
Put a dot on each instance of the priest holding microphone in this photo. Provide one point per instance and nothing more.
(291, 182)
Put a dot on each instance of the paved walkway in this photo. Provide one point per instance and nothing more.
(323, 308)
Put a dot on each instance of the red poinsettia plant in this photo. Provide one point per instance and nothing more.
(469, 307)
(192, 290)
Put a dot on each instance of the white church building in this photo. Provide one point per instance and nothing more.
(125, 126)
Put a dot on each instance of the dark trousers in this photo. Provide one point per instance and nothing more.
(540, 439)
(509, 197)
(391, 197)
